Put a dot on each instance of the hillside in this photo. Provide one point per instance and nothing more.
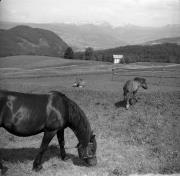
(139, 53)
(175, 40)
(83, 36)
(25, 40)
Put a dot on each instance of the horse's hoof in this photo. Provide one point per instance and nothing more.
(64, 157)
(133, 101)
(4, 170)
(37, 168)
(127, 107)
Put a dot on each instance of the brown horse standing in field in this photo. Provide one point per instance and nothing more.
(25, 114)
(130, 89)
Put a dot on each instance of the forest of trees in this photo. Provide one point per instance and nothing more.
(135, 53)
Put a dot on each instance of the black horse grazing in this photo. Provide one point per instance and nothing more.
(29, 114)
(130, 89)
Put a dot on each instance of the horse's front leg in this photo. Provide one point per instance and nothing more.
(37, 165)
(3, 168)
(125, 98)
(128, 96)
(133, 100)
(60, 136)
(134, 96)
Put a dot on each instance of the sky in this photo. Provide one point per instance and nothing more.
(153, 13)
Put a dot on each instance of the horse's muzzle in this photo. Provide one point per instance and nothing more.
(145, 87)
(91, 161)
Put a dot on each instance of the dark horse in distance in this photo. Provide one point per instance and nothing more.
(25, 114)
(130, 89)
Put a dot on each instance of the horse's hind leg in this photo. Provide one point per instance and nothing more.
(45, 142)
(60, 136)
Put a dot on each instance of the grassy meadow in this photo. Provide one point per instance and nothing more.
(144, 139)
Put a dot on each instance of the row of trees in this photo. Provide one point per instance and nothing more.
(132, 53)
(87, 55)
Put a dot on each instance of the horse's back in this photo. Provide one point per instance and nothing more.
(131, 86)
(20, 95)
(17, 99)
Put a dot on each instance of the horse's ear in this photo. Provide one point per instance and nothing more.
(78, 145)
(93, 136)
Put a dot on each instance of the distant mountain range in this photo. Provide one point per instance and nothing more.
(25, 40)
(139, 35)
(79, 37)
(175, 40)
(104, 36)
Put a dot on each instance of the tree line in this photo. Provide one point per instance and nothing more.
(132, 53)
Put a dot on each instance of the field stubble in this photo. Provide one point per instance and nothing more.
(144, 139)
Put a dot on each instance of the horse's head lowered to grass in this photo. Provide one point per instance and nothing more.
(79, 123)
(88, 153)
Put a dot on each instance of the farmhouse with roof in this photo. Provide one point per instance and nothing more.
(118, 58)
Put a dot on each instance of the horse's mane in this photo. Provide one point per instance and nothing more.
(77, 120)
(138, 79)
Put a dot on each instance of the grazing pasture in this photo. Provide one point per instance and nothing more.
(144, 139)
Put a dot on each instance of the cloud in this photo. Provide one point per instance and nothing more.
(116, 12)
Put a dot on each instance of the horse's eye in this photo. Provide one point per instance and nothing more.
(92, 149)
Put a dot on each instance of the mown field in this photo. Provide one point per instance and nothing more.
(144, 139)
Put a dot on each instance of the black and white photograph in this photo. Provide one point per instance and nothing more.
(89, 87)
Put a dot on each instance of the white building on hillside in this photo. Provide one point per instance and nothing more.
(118, 58)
